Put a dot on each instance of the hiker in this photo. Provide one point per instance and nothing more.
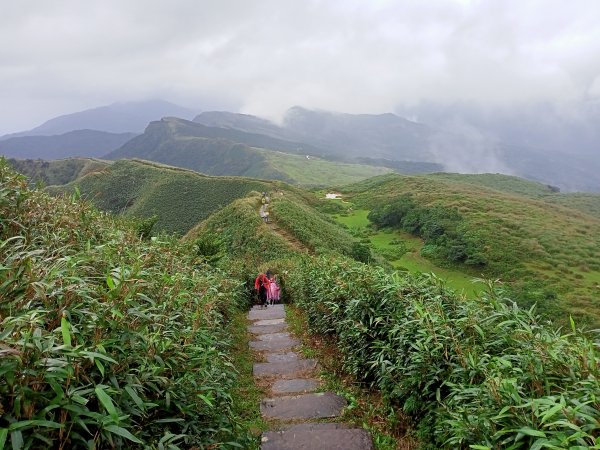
(261, 285)
(274, 291)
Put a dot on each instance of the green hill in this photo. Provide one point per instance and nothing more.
(56, 172)
(220, 151)
(179, 198)
(110, 340)
(545, 252)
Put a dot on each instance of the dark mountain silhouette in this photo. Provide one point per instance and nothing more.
(115, 118)
(90, 143)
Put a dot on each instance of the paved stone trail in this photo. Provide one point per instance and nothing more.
(293, 406)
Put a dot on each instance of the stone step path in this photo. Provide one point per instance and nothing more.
(294, 405)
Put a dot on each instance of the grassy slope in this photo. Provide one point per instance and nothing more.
(316, 171)
(526, 240)
(60, 171)
(384, 241)
(586, 203)
(180, 198)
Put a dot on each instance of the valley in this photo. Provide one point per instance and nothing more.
(402, 251)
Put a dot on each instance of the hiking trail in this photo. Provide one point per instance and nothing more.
(282, 232)
(293, 408)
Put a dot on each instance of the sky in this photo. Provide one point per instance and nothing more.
(263, 56)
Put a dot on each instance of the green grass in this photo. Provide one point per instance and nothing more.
(57, 172)
(320, 172)
(246, 394)
(366, 408)
(180, 198)
(412, 261)
(525, 235)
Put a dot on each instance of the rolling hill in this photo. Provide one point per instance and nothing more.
(179, 198)
(57, 172)
(221, 151)
(81, 143)
(354, 137)
(499, 227)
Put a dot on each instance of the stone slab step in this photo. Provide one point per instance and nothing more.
(295, 386)
(267, 329)
(261, 323)
(289, 369)
(275, 344)
(282, 357)
(317, 436)
(273, 336)
(270, 312)
(307, 406)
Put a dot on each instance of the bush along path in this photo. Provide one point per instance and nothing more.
(294, 410)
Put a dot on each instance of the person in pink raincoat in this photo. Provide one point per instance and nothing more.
(273, 293)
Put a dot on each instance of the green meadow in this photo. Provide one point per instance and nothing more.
(319, 172)
(384, 241)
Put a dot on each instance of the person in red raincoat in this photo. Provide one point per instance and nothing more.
(261, 285)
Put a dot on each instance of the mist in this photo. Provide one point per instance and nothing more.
(263, 57)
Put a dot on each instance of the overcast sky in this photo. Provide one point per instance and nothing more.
(263, 56)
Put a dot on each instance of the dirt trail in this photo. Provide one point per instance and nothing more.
(282, 232)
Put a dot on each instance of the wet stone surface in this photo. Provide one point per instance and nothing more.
(273, 336)
(269, 322)
(289, 369)
(279, 344)
(307, 406)
(282, 357)
(317, 436)
(295, 386)
(268, 329)
(270, 312)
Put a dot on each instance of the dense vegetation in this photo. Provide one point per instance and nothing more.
(479, 374)
(179, 198)
(61, 171)
(108, 340)
(548, 254)
(441, 228)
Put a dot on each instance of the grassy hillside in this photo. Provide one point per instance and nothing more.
(295, 227)
(108, 340)
(499, 182)
(547, 253)
(320, 172)
(221, 151)
(56, 172)
(179, 198)
(586, 203)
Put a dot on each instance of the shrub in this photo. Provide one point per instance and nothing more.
(480, 374)
(107, 340)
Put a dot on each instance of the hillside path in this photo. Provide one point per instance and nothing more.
(289, 238)
(294, 408)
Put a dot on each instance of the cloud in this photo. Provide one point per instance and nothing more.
(267, 55)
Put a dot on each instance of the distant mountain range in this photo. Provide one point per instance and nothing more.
(226, 143)
(128, 117)
(90, 143)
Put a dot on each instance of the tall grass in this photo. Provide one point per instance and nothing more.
(108, 340)
(481, 374)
